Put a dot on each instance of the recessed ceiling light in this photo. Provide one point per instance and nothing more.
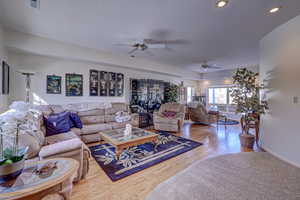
(221, 3)
(275, 9)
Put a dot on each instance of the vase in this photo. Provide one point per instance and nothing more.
(247, 140)
(11, 171)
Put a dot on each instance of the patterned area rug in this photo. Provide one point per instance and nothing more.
(137, 158)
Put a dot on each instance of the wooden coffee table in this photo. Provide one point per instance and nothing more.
(120, 142)
(57, 183)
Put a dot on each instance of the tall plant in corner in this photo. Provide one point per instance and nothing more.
(246, 96)
(172, 93)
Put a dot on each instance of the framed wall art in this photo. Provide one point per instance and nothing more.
(94, 83)
(120, 84)
(5, 78)
(53, 84)
(112, 84)
(74, 85)
(103, 83)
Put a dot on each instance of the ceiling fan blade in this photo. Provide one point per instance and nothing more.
(213, 67)
(133, 50)
(152, 41)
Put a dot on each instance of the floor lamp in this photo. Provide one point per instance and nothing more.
(27, 83)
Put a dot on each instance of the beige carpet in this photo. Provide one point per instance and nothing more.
(242, 176)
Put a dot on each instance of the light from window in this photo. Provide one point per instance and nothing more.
(219, 96)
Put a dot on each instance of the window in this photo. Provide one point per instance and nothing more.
(190, 94)
(219, 95)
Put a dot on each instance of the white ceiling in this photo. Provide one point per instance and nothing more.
(228, 37)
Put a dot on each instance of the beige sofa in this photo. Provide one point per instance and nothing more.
(173, 124)
(72, 143)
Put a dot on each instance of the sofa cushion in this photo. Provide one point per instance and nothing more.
(32, 143)
(94, 128)
(97, 119)
(57, 123)
(45, 109)
(60, 137)
(163, 120)
(76, 121)
(116, 107)
(117, 125)
(57, 108)
(109, 118)
(60, 147)
(91, 112)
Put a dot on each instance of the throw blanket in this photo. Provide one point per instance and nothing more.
(122, 117)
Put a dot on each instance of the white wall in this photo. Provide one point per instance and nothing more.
(43, 66)
(280, 62)
(3, 56)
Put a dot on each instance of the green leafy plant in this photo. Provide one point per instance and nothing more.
(172, 93)
(14, 153)
(246, 96)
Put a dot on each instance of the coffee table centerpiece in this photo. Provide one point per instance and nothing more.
(121, 139)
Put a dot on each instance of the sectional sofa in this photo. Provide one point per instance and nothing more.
(95, 118)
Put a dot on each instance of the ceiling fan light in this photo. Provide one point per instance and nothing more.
(221, 3)
(275, 9)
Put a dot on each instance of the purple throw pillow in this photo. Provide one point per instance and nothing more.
(169, 114)
(57, 123)
(75, 120)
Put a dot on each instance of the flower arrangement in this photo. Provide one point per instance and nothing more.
(10, 151)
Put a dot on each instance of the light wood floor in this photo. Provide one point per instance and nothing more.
(137, 186)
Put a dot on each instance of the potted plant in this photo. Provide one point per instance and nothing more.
(246, 96)
(11, 155)
(172, 93)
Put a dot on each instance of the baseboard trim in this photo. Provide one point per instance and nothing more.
(281, 157)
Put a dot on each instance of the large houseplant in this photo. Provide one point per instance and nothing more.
(245, 95)
(12, 156)
(172, 93)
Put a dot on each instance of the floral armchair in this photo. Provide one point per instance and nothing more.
(170, 117)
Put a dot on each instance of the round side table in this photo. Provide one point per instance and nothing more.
(56, 183)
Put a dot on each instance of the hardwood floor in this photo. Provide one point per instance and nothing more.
(137, 186)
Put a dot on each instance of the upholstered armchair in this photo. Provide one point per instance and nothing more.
(170, 117)
(201, 115)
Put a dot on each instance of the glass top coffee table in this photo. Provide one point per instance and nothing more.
(117, 138)
(32, 184)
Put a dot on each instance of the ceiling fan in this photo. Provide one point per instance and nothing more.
(206, 66)
(147, 44)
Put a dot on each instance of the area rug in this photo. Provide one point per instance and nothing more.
(228, 122)
(242, 176)
(137, 158)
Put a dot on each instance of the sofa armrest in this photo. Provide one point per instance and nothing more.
(60, 147)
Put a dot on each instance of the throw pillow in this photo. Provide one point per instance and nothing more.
(169, 114)
(57, 123)
(75, 120)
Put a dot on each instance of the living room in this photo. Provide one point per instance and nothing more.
(149, 100)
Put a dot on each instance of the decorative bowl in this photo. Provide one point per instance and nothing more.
(11, 171)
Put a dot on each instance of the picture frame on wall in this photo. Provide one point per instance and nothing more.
(112, 84)
(74, 85)
(53, 84)
(120, 84)
(103, 83)
(94, 83)
(5, 78)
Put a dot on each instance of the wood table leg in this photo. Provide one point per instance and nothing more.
(118, 153)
